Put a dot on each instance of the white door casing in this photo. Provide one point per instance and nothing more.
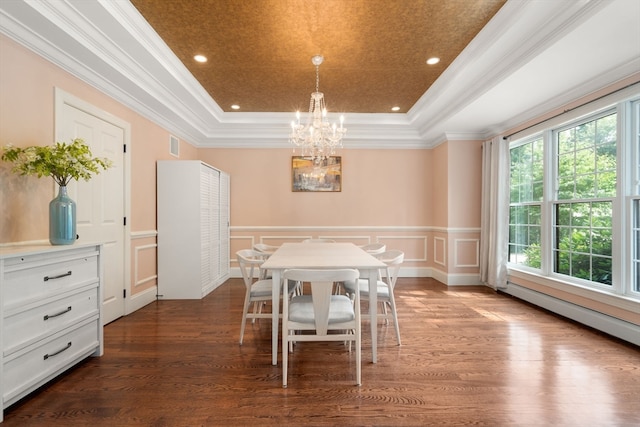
(101, 202)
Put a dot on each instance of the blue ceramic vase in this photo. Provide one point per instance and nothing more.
(62, 219)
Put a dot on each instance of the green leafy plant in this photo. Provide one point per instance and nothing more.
(61, 161)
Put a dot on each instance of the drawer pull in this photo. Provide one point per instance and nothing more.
(46, 356)
(49, 316)
(59, 276)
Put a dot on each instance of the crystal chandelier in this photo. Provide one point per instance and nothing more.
(318, 138)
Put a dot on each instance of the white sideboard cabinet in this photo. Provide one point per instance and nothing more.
(50, 314)
(193, 228)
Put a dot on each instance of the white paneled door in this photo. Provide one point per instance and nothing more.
(100, 201)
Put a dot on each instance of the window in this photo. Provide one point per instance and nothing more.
(526, 187)
(636, 246)
(574, 211)
(586, 188)
(635, 197)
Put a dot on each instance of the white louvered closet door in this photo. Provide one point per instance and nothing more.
(215, 225)
(224, 223)
(206, 221)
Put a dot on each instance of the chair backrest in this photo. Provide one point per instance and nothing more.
(393, 259)
(249, 261)
(318, 241)
(374, 248)
(321, 295)
(264, 248)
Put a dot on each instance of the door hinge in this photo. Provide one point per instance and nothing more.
(124, 293)
(124, 148)
(125, 221)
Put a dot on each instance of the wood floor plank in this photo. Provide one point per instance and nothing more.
(469, 356)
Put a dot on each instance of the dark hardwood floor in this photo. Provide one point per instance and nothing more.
(469, 357)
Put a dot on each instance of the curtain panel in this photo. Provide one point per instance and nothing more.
(494, 220)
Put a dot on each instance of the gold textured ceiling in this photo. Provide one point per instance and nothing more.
(259, 51)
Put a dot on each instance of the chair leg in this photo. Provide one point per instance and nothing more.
(394, 313)
(257, 308)
(385, 314)
(285, 357)
(245, 310)
(358, 357)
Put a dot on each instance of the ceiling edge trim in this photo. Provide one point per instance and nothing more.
(351, 144)
(467, 79)
(609, 79)
(135, 24)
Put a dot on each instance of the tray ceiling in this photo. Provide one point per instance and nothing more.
(259, 52)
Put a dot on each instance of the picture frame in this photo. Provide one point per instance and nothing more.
(308, 175)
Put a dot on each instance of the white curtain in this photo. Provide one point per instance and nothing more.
(494, 219)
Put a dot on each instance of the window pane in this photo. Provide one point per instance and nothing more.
(586, 162)
(585, 135)
(563, 262)
(583, 244)
(601, 241)
(606, 130)
(581, 266)
(586, 168)
(636, 245)
(526, 192)
(606, 184)
(566, 141)
(601, 270)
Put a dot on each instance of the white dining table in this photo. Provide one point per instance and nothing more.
(322, 256)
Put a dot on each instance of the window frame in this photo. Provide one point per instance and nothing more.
(626, 105)
(555, 201)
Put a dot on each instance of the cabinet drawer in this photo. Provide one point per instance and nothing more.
(25, 327)
(33, 279)
(26, 370)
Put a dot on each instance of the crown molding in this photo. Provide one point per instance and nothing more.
(110, 46)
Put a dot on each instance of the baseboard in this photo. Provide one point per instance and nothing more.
(455, 279)
(615, 327)
(139, 300)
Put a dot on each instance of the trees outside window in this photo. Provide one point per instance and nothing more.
(586, 188)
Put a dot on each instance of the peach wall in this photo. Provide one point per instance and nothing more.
(379, 188)
(26, 118)
(464, 184)
(27, 84)
(439, 201)
(388, 196)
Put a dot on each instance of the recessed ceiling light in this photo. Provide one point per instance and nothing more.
(396, 108)
(432, 61)
(235, 107)
(200, 58)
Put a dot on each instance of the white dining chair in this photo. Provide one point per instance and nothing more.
(258, 289)
(322, 315)
(370, 248)
(265, 249)
(374, 248)
(385, 287)
(318, 241)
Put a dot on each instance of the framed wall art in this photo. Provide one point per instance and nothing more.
(321, 176)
